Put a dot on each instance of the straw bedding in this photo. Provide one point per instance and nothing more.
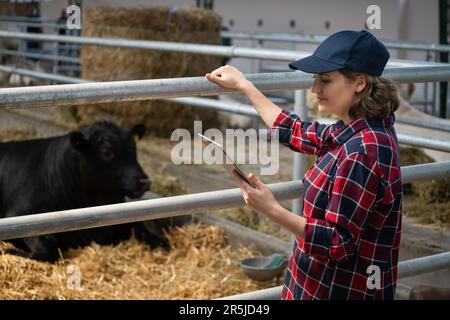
(199, 265)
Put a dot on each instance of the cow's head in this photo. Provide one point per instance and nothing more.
(110, 152)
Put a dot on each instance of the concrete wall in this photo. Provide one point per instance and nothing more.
(402, 19)
(309, 16)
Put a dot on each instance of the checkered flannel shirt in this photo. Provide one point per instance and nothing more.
(352, 205)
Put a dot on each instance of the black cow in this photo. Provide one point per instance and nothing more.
(94, 166)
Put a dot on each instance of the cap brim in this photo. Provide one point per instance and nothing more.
(313, 64)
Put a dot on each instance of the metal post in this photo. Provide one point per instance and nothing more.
(443, 35)
(22, 48)
(425, 89)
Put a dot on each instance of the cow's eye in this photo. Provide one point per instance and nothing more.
(107, 153)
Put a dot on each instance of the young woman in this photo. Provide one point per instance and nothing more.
(347, 240)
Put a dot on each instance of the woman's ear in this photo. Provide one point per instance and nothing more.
(361, 83)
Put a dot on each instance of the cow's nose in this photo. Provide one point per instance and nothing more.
(144, 184)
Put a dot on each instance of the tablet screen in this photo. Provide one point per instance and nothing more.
(230, 165)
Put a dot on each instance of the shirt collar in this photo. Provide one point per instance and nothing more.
(341, 132)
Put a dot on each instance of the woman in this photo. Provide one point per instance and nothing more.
(347, 241)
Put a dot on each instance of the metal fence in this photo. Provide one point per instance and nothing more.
(76, 94)
(257, 40)
(406, 269)
(317, 39)
(226, 51)
(408, 139)
(278, 37)
(67, 220)
(133, 90)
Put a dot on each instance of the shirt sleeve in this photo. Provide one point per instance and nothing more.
(356, 188)
(305, 137)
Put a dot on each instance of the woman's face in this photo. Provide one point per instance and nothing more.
(334, 93)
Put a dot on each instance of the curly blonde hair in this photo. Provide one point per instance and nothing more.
(378, 99)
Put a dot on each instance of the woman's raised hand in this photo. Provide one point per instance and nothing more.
(228, 77)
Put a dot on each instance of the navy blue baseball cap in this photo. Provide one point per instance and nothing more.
(356, 50)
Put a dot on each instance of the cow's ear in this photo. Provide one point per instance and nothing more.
(138, 130)
(78, 141)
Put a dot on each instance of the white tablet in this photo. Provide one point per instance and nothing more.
(230, 166)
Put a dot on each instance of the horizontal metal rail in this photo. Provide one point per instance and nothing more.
(275, 37)
(67, 220)
(41, 75)
(316, 39)
(430, 124)
(115, 91)
(423, 142)
(41, 56)
(406, 269)
(58, 26)
(227, 51)
(422, 265)
(25, 19)
(243, 109)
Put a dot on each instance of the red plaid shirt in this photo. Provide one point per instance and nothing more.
(352, 205)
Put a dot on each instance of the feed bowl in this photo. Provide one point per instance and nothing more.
(264, 268)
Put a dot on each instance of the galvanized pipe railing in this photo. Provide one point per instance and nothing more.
(227, 51)
(238, 108)
(423, 142)
(278, 37)
(84, 218)
(430, 124)
(406, 269)
(408, 139)
(114, 91)
(316, 39)
(41, 75)
(41, 56)
(236, 35)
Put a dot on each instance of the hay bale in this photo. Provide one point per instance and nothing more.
(15, 8)
(16, 134)
(253, 220)
(411, 156)
(161, 23)
(432, 191)
(436, 213)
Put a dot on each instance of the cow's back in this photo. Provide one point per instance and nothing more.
(30, 172)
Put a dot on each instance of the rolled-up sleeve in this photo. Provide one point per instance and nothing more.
(305, 137)
(355, 190)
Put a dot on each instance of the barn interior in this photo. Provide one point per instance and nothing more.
(203, 261)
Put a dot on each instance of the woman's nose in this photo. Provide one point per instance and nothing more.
(315, 87)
